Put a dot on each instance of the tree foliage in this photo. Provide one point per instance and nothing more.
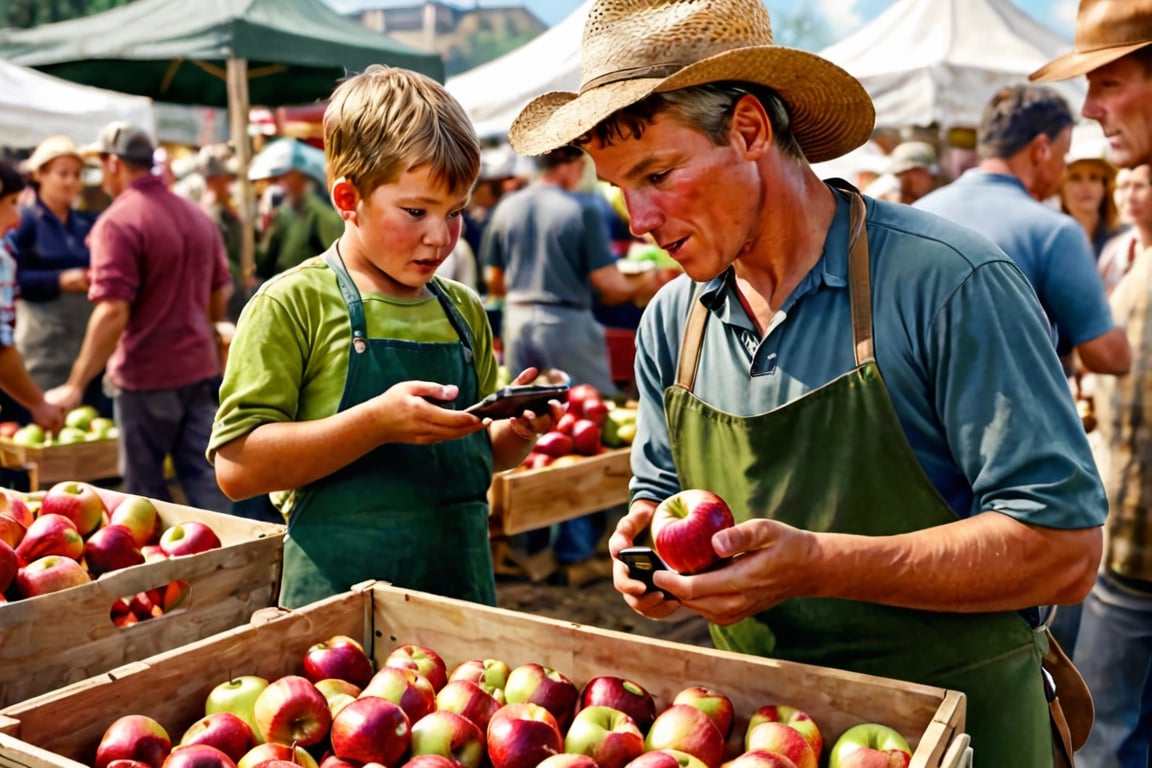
(32, 13)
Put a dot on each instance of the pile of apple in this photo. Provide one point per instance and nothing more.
(581, 431)
(414, 712)
(75, 532)
(81, 424)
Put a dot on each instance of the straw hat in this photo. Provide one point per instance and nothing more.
(48, 150)
(1105, 31)
(633, 48)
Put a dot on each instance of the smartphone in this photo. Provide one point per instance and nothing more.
(642, 562)
(512, 401)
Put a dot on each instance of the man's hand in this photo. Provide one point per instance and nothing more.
(48, 415)
(66, 396)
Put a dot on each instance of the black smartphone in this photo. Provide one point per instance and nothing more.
(642, 562)
(512, 401)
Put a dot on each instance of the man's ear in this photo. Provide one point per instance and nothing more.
(1040, 148)
(345, 198)
(751, 124)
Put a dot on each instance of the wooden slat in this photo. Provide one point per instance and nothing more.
(93, 460)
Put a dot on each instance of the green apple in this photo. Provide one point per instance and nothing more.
(101, 426)
(607, 735)
(81, 417)
(30, 434)
(69, 435)
(237, 696)
(870, 744)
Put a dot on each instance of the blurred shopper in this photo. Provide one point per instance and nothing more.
(14, 378)
(1086, 194)
(914, 165)
(217, 166)
(159, 283)
(1114, 648)
(51, 249)
(1024, 134)
(1119, 253)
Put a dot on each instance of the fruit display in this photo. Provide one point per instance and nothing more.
(592, 424)
(415, 711)
(75, 532)
(81, 424)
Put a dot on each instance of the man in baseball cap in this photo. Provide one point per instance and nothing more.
(816, 337)
(1113, 48)
(124, 140)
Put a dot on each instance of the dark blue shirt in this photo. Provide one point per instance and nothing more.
(44, 246)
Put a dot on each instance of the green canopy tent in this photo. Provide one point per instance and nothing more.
(224, 53)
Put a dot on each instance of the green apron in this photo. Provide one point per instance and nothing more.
(412, 515)
(837, 460)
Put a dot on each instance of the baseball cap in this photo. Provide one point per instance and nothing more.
(124, 140)
(11, 181)
(912, 154)
(216, 160)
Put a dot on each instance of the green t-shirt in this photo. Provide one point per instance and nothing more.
(289, 358)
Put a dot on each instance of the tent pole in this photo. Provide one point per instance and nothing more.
(238, 131)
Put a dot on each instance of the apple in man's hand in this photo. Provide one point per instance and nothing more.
(682, 528)
(784, 740)
(716, 705)
(404, 687)
(225, 731)
(544, 686)
(188, 538)
(76, 501)
(628, 696)
(687, 729)
(489, 674)
(779, 713)
(339, 656)
(758, 758)
(466, 698)
(446, 733)
(521, 735)
(371, 730)
(291, 711)
(198, 756)
(424, 660)
(607, 735)
(133, 737)
(870, 745)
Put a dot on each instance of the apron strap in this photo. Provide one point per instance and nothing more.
(351, 296)
(860, 295)
(463, 330)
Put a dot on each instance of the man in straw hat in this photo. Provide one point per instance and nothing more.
(840, 370)
(1114, 647)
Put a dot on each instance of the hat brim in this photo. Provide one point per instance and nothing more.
(1079, 63)
(831, 112)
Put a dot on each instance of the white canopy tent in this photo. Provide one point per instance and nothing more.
(34, 106)
(938, 62)
(495, 92)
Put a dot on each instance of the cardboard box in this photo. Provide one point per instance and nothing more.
(49, 464)
(522, 500)
(49, 641)
(62, 729)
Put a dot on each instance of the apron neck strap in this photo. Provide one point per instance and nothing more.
(859, 292)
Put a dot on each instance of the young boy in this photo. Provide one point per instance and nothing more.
(14, 379)
(354, 367)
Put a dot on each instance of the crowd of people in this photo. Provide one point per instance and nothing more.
(881, 385)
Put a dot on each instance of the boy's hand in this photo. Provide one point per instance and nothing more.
(408, 413)
(529, 424)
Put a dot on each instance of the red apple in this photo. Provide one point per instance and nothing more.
(225, 731)
(291, 711)
(544, 686)
(466, 698)
(554, 444)
(758, 758)
(262, 753)
(521, 735)
(446, 733)
(51, 534)
(330, 761)
(111, 498)
(139, 515)
(607, 735)
(237, 695)
(595, 410)
(870, 745)
(50, 574)
(682, 529)
(133, 737)
(339, 656)
(424, 660)
(712, 703)
(783, 740)
(188, 538)
(423, 761)
(566, 422)
(566, 760)
(586, 437)
(404, 687)
(579, 395)
(489, 674)
(339, 693)
(9, 565)
(174, 595)
(111, 548)
(789, 716)
(684, 728)
(77, 501)
(152, 553)
(145, 605)
(11, 530)
(16, 508)
(198, 756)
(628, 696)
(8, 428)
(371, 729)
(123, 763)
(666, 758)
(538, 460)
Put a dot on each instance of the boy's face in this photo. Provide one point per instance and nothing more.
(9, 213)
(402, 231)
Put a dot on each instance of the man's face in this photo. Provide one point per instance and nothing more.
(1134, 189)
(1049, 172)
(699, 201)
(1120, 99)
(915, 183)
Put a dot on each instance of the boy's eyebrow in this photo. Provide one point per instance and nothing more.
(432, 201)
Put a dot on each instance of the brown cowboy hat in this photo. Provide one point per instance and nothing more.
(634, 48)
(1105, 31)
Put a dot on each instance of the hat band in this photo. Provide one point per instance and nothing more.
(632, 73)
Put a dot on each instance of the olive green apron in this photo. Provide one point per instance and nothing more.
(412, 515)
(49, 334)
(837, 460)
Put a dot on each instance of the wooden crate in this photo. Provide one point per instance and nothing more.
(62, 729)
(55, 639)
(48, 464)
(522, 500)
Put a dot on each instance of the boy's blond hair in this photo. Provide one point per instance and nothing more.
(385, 121)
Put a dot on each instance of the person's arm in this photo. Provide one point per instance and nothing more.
(494, 278)
(613, 287)
(105, 327)
(14, 380)
(513, 439)
(1108, 353)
